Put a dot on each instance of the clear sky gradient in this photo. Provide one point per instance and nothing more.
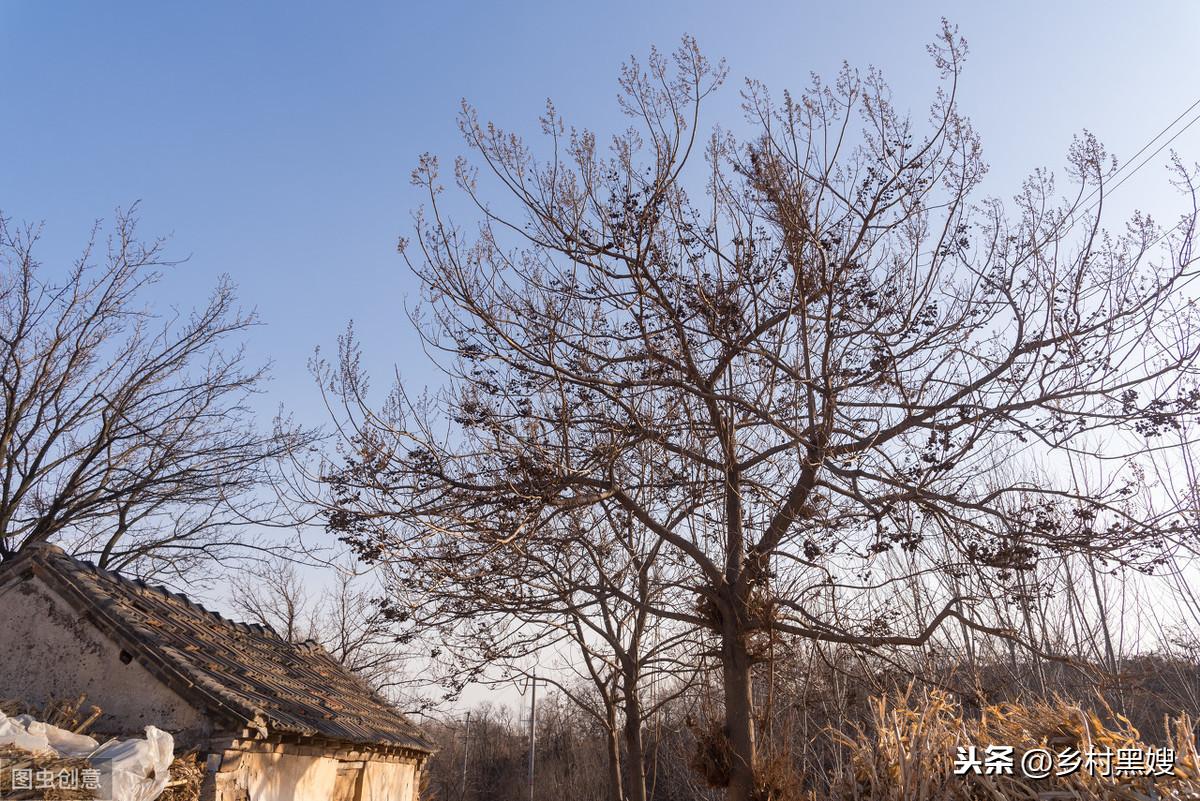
(273, 141)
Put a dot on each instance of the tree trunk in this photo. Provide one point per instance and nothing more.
(739, 713)
(616, 790)
(635, 761)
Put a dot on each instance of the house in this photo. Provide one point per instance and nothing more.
(273, 720)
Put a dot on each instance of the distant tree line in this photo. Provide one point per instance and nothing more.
(820, 704)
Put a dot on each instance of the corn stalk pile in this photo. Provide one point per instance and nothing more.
(17, 765)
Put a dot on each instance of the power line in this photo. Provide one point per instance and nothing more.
(1168, 127)
(1146, 160)
(1075, 218)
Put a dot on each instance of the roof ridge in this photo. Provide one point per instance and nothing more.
(160, 589)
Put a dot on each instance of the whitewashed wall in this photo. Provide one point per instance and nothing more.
(47, 653)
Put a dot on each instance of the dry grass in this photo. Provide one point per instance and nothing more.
(67, 714)
(907, 751)
(187, 773)
(14, 759)
(71, 715)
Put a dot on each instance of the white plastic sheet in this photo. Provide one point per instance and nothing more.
(17, 732)
(138, 769)
(61, 741)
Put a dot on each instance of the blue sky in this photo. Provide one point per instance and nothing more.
(273, 141)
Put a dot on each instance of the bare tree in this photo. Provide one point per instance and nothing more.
(276, 596)
(336, 606)
(125, 435)
(576, 610)
(488, 760)
(838, 354)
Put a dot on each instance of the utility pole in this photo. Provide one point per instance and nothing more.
(531, 682)
(532, 731)
(466, 746)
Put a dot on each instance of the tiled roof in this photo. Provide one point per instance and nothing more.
(243, 674)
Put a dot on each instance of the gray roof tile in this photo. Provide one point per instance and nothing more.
(243, 673)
